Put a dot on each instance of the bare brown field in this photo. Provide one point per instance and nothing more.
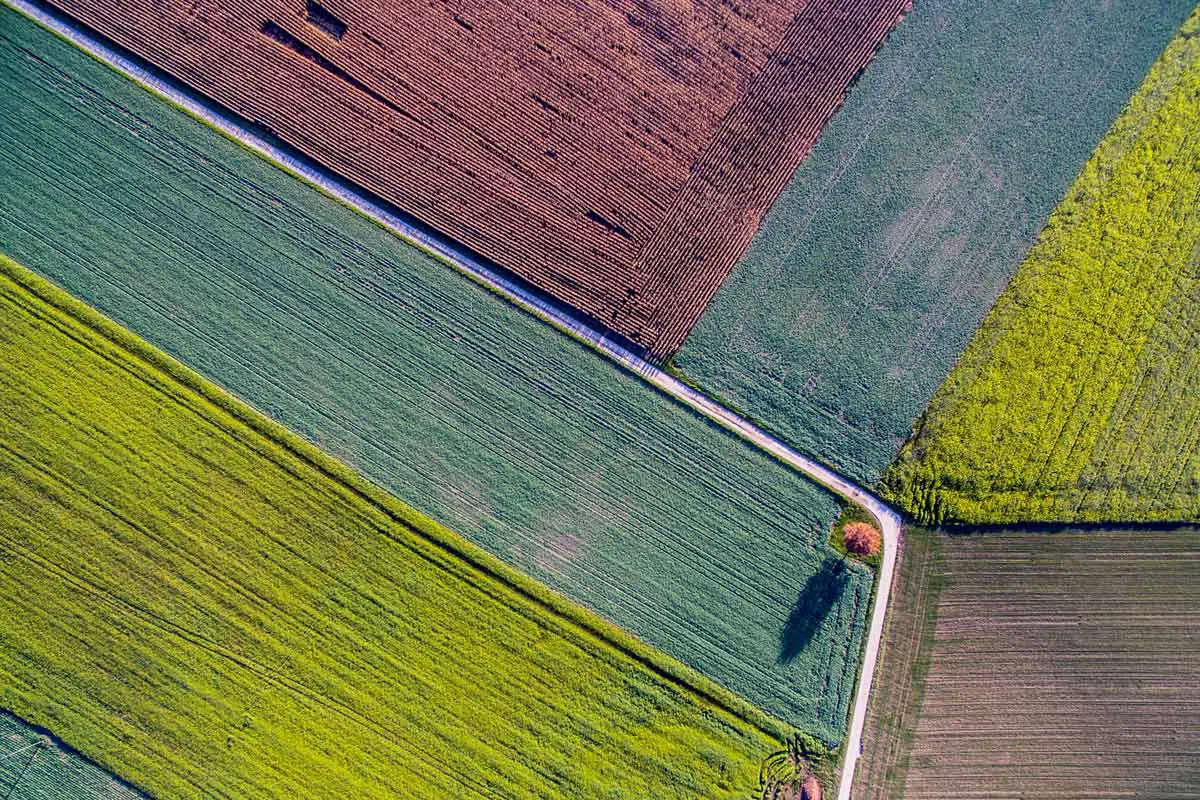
(1065, 665)
(618, 156)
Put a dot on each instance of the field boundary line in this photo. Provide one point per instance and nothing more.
(515, 292)
(441, 543)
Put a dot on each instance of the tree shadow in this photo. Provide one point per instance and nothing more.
(819, 595)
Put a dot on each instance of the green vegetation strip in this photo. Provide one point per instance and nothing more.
(529, 444)
(915, 208)
(208, 605)
(1079, 398)
(36, 766)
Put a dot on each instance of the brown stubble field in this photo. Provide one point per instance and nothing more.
(1063, 662)
(618, 156)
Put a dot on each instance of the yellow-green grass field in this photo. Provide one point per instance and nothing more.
(1079, 398)
(206, 605)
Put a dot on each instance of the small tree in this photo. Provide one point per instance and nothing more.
(862, 539)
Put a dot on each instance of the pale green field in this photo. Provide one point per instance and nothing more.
(875, 267)
(1079, 398)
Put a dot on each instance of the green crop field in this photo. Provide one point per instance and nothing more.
(35, 766)
(875, 267)
(469, 409)
(207, 605)
(1063, 666)
(1079, 398)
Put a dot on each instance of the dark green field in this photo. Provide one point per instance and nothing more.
(876, 266)
(469, 409)
(1079, 398)
(36, 766)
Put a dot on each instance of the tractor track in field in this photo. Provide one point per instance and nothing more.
(889, 521)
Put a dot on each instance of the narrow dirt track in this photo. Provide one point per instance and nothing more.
(888, 520)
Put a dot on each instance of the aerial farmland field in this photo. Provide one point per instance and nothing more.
(1079, 398)
(1063, 665)
(875, 267)
(210, 606)
(899, 688)
(347, 448)
(617, 155)
(487, 420)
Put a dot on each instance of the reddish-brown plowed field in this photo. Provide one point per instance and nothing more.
(618, 155)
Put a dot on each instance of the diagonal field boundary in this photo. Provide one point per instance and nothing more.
(528, 300)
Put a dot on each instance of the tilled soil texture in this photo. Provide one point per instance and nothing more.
(618, 156)
(1063, 665)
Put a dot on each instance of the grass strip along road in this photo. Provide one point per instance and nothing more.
(209, 605)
